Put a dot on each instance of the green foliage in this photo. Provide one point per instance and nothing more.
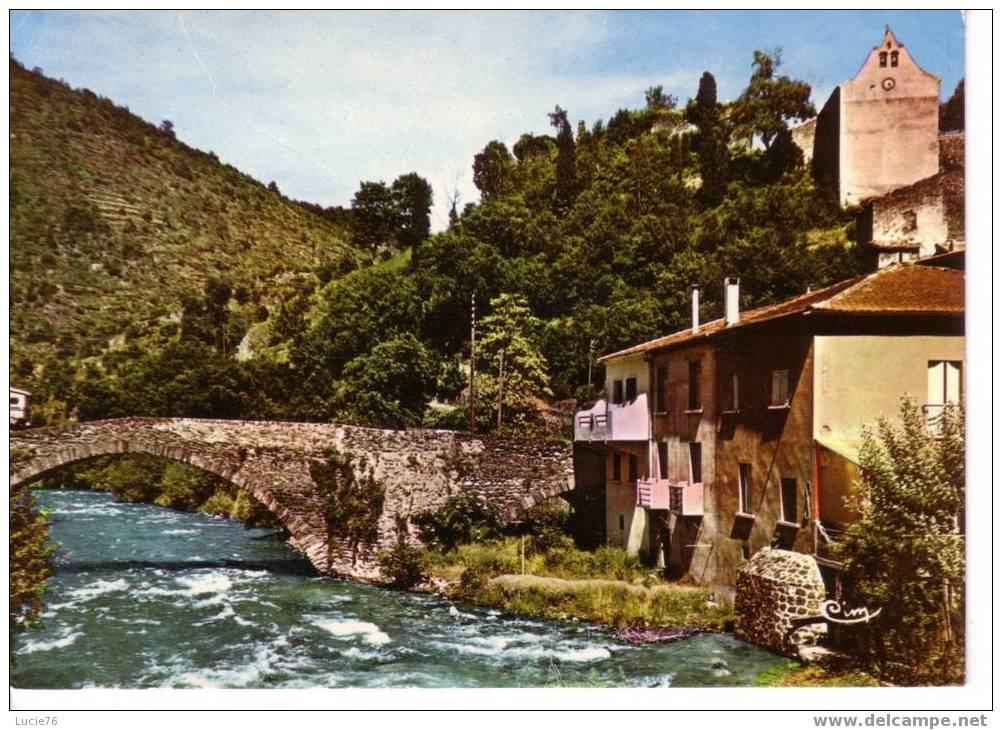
(389, 386)
(30, 558)
(769, 102)
(464, 518)
(567, 183)
(905, 553)
(711, 144)
(402, 564)
(951, 112)
(353, 501)
(396, 215)
(511, 341)
(113, 222)
(413, 196)
(492, 170)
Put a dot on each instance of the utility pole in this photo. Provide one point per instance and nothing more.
(473, 362)
(500, 387)
(591, 358)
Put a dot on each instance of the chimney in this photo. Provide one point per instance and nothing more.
(695, 308)
(732, 289)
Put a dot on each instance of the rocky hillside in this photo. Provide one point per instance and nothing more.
(113, 221)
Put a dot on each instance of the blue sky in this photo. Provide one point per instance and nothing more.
(318, 101)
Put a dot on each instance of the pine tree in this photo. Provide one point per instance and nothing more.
(567, 183)
(711, 143)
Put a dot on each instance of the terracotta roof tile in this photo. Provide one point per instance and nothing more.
(903, 289)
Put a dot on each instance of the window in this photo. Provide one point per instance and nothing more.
(744, 489)
(15, 401)
(894, 59)
(696, 461)
(663, 459)
(622, 522)
(631, 390)
(945, 388)
(788, 497)
(634, 472)
(780, 393)
(617, 391)
(883, 59)
(661, 390)
(694, 400)
(731, 395)
(944, 382)
(617, 467)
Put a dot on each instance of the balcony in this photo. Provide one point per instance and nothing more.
(606, 421)
(682, 498)
(934, 414)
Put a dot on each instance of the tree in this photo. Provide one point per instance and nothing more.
(413, 197)
(658, 100)
(29, 557)
(769, 102)
(951, 113)
(567, 184)
(376, 215)
(711, 144)
(905, 553)
(389, 387)
(492, 170)
(511, 336)
(530, 145)
(167, 127)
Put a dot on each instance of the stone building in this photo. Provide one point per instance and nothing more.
(879, 131)
(753, 421)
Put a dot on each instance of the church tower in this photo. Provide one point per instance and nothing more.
(879, 131)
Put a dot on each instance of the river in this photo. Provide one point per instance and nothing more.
(148, 597)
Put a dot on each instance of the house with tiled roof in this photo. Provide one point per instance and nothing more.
(742, 432)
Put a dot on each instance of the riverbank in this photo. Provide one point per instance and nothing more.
(558, 581)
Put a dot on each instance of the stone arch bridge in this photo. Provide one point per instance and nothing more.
(419, 469)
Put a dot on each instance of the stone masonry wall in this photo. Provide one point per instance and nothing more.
(775, 591)
(419, 469)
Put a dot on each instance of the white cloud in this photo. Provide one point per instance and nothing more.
(319, 100)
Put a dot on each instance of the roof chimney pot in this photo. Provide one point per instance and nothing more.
(695, 309)
(732, 291)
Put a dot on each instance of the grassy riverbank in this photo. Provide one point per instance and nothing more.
(795, 674)
(559, 581)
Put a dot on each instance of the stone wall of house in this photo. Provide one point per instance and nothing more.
(418, 470)
(777, 592)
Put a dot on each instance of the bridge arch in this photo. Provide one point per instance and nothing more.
(418, 469)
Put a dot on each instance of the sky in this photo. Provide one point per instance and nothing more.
(318, 101)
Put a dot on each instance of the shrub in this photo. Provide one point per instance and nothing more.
(353, 501)
(29, 558)
(905, 554)
(402, 564)
(464, 518)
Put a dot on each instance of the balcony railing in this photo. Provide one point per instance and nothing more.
(606, 421)
(680, 497)
(934, 414)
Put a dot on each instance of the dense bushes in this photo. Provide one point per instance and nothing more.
(29, 557)
(905, 553)
(464, 518)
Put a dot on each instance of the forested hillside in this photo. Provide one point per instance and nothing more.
(585, 240)
(114, 222)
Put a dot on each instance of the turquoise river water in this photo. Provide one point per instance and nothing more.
(148, 597)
